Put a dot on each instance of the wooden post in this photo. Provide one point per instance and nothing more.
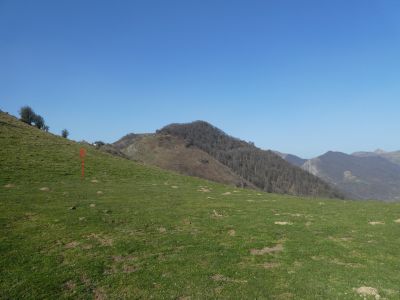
(82, 153)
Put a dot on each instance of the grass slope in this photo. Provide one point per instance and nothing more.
(154, 234)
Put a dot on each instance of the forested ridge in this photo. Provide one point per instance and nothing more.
(264, 169)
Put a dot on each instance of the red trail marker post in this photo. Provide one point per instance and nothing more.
(82, 153)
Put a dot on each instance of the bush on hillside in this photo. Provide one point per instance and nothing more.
(99, 144)
(27, 114)
(38, 121)
(64, 133)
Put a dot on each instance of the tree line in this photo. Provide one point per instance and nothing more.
(28, 116)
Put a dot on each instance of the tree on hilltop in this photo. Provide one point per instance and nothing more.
(64, 133)
(38, 121)
(27, 114)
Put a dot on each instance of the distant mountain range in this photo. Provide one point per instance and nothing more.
(202, 150)
(361, 175)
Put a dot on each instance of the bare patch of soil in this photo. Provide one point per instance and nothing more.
(99, 193)
(174, 187)
(186, 221)
(44, 189)
(282, 223)
(350, 265)
(70, 285)
(271, 265)
(284, 296)
(204, 190)
(99, 294)
(219, 277)
(9, 185)
(227, 193)
(366, 291)
(122, 264)
(295, 215)
(397, 221)
(376, 223)
(94, 181)
(72, 245)
(216, 214)
(103, 240)
(341, 239)
(265, 250)
(162, 230)
(232, 232)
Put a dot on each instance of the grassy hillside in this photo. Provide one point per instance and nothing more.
(129, 231)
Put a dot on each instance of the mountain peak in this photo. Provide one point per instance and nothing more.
(380, 151)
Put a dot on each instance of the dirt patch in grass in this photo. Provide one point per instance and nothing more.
(265, 250)
(270, 265)
(9, 185)
(341, 239)
(162, 230)
(227, 193)
(31, 216)
(99, 193)
(186, 221)
(99, 294)
(216, 214)
(72, 245)
(366, 291)
(376, 223)
(397, 221)
(94, 181)
(92, 205)
(122, 264)
(284, 296)
(129, 269)
(219, 277)
(295, 215)
(174, 187)
(232, 232)
(44, 189)
(204, 190)
(282, 223)
(103, 240)
(70, 286)
(350, 265)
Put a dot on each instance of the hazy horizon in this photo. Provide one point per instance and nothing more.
(300, 78)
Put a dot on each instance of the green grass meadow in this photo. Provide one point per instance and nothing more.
(128, 231)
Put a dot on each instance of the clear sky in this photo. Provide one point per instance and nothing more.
(299, 76)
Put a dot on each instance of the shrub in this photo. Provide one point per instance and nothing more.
(27, 114)
(99, 144)
(38, 121)
(64, 133)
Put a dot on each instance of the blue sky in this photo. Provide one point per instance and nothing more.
(299, 76)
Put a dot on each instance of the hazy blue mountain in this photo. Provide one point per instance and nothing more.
(360, 176)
